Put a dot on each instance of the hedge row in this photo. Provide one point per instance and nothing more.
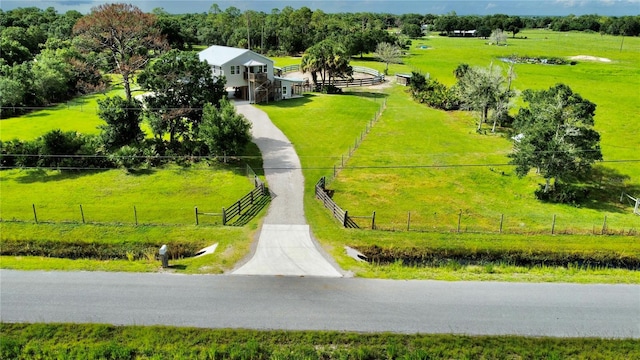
(95, 251)
(425, 256)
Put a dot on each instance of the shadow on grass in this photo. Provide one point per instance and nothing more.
(605, 186)
(177, 267)
(141, 172)
(43, 176)
(367, 94)
(289, 103)
(37, 114)
(253, 211)
(251, 156)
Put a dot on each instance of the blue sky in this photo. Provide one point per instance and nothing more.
(461, 7)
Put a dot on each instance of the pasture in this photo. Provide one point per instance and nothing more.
(432, 167)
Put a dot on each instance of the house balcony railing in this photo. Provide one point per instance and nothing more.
(258, 77)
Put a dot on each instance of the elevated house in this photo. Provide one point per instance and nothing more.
(250, 74)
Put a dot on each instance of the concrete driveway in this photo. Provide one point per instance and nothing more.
(285, 245)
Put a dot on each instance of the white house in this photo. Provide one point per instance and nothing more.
(250, 74)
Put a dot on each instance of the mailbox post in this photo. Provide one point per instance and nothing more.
(164, 256)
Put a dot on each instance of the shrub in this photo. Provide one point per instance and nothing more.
(435, 94)
(455, 258)
(127, 157)
(562, 194)
(328, 89)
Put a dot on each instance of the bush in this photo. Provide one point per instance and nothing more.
(55, 149)
(127, 157)
(328, 89)
(562, 194)
(436, 95)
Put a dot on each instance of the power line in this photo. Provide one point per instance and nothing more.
(326, 168)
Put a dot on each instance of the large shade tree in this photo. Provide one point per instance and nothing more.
(556, 135)
(181, 85)
(127, 37)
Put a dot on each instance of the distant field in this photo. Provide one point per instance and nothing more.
(79, 114)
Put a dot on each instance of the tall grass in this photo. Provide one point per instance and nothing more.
(44, 341)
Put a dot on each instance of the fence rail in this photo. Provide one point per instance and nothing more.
(290, 68)
(377, 78)
(357, 82)
(635, 202)
(244, 203)
(242, 206)
(336, 211)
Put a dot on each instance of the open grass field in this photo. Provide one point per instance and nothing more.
(161, 196)
(79, 114)
(97, 341)
(318, 157)
(443, 144)
(423, 161)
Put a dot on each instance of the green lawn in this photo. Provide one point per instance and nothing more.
(164, 201)
(414, 161)
(161, 196)
(79, 114)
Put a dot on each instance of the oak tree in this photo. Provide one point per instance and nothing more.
(180, 86)
(556, 135)
(127, 36)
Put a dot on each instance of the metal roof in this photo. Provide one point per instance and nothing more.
(220, 55)
(253, 63)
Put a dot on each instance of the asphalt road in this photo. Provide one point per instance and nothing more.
(345, 304)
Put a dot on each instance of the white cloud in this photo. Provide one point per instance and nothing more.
(490, 6)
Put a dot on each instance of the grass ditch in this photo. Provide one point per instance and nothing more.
(98, 341)
(425, 256)
(98, 251)
(94, 247)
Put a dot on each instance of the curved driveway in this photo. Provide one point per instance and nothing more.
(347, 304)
(285, 246)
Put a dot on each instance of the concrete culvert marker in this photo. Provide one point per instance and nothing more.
(355, 254)
(206, 251)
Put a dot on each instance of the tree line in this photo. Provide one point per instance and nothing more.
(609, 25)
(42, 60)
(185, 106)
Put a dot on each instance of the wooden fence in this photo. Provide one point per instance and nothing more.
(341, 215)
(241, 206)
(290, 68)
(377, 77)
